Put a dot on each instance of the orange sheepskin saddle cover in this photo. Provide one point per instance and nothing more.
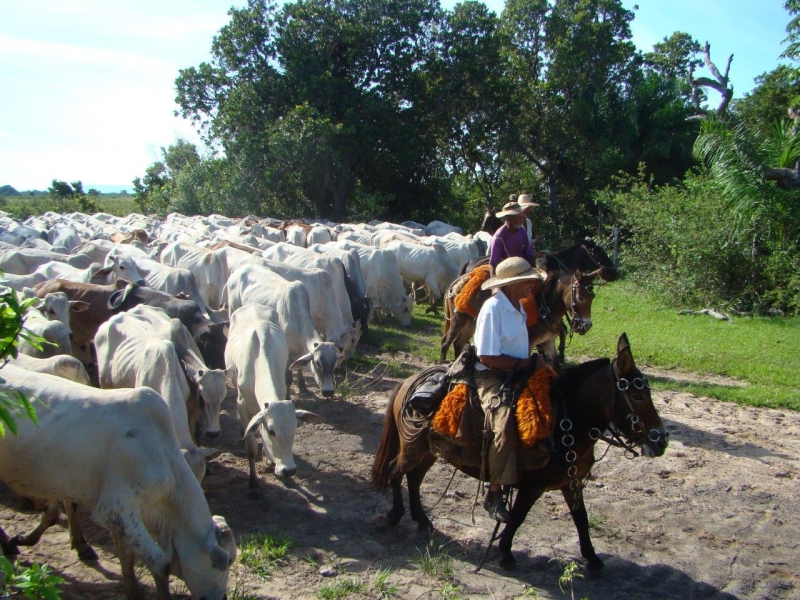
(534, 412)
(470, 297)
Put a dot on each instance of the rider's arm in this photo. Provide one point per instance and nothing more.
(505, 362)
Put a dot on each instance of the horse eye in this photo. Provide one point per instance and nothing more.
(590, 288)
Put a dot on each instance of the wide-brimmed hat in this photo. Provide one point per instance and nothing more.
(509, 210)
(525, 201)
(513, 270)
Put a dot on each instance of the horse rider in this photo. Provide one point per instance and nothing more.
(511, 239)
(501, 344)
(527, 206)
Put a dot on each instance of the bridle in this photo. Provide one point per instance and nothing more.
(574, 320)
(615, 436)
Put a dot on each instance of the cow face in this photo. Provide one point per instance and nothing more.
(212, 387)
(278, 421)
(402, 311)
(57, 306)
(211, 342)
(205, 566)
(322, 359)
(124, 267)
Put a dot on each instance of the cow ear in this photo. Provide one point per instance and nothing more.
(300, 362)
(189, 370)
(308, 417)
(30, 293)
(255, 423)
(78, 306)
(116, 299)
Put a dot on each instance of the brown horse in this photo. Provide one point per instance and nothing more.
(562, 292)
(602, 399)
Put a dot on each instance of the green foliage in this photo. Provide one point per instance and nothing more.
(341, 589)
(435, 561)
(13, 403)
(568, 576)
(26, 204)
(8, 190)
(770, 100)
(385, 589)
(34, 582)
(261, 552)
(71, 197)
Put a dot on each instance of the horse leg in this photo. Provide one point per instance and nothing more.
(398, 510)
(526, 498)
(451, 335)
(581, 519)
(562, 342)
(414, 479)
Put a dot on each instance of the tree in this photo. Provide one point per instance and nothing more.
(7, 190)
(155, 193)
(569, 62)
(772, 98)
(71, 197)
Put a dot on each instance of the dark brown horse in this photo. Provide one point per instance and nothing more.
(586, 256)
(602, 399)
(564, 292)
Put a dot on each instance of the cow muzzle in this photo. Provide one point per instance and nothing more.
(286, 471)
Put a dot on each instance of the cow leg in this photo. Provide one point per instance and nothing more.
(250, 442)
(581, 519)
(414, 478)
(49, 518)
(127, 563)
(526, 498)
(5, 543)
(288, 380)
(77, 541)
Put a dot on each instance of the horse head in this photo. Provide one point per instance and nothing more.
(581, 296)
(600, 259)
(634, 415)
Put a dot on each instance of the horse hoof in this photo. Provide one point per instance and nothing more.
(425, 526)
(595, 567)
(392, 518)
(507, 561)
(87, 554)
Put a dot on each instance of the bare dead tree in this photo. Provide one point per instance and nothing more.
(720, 83)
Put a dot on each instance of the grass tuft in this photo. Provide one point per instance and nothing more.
(262, 552)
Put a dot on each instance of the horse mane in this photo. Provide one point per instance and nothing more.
(573, 377)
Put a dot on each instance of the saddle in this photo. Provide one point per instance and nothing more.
(448, 402)
(468, 297)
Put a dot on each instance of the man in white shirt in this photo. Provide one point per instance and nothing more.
(501, 343)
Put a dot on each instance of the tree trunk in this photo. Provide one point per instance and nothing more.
(552, 188)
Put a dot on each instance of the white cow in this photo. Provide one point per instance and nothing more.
(258, 356)
(173, 281)
(252, 284)
(209, 269)
(130, 353)
(311, 260)
(49, 319)
(384, 283)
(319, 234)
(62, 365)
(296, 235)
(426, 264)
(115, 453)
(23, 261)
(440, 228)
(211, 384)
(327, 315)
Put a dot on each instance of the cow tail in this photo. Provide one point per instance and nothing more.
(388, 447)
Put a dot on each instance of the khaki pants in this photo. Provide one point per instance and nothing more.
(502, 457)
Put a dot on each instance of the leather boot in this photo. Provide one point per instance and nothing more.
(496, 507)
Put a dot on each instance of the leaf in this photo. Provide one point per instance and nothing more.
(7, 418)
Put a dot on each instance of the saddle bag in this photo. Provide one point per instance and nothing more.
(426, 398)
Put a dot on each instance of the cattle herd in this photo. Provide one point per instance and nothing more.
(147, 322)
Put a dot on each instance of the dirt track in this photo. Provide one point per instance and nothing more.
(716, 517)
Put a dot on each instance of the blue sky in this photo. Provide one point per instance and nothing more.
(88, 85)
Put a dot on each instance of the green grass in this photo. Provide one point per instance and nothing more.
(421, 339)
(261, 552)
(341, 589)
(25, 205)
(763, 352)
(435, 561)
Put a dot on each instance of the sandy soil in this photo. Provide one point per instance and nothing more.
(716, 517)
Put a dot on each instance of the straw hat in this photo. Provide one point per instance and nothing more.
(509, 209)
(513, 270)
(525, 201)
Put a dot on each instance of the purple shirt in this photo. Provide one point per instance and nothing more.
(506, 244)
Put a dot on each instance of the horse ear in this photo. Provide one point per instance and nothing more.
(624, 355)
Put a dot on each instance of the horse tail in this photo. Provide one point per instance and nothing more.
(388, 447)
